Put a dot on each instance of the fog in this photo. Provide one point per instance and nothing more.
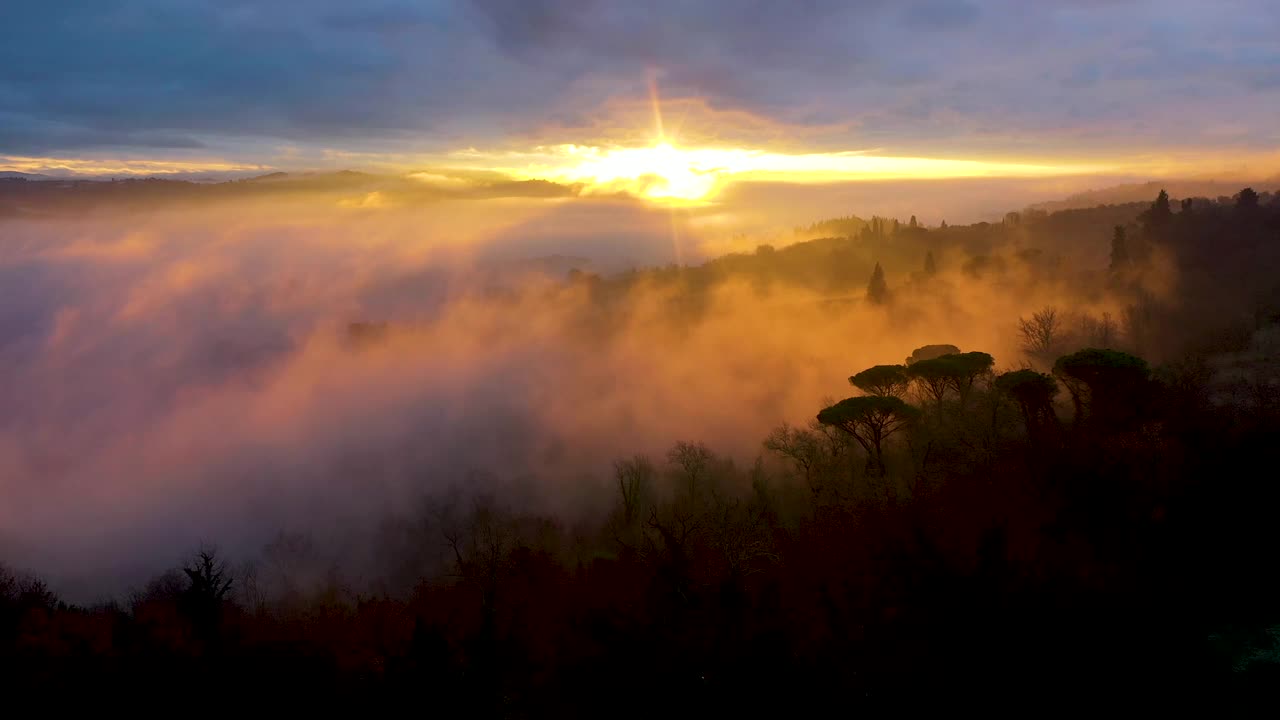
(186, 375)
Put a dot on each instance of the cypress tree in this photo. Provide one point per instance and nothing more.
(877, 289)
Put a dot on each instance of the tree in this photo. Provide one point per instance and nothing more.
(483, 542)
(956, 372)
(887, 380)
(1140, 319)
(877, 289)
(1119, 251)
(870, 419)
(208, 576)
(965, 369)
(1247, 200)
(928, 352)
(1099, 332)
(802, 447)
(943, 225)
(1042, 334)
(933, 377)
(1106, 386)
(209, 582)
(635, 485)
(1161, 205)
(912, 223)
(1155, 219)
(1034, 392)
(930, 267)
(694, 461)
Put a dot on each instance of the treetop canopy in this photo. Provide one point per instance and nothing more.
(951, 365)
(1027, 385)
(857, 408)
(929, 352)
(1094, 364)
(881, 380)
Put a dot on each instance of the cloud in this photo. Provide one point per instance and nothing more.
(940, 14)
(403, 76)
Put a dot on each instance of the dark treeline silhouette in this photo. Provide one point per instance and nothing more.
(63, 197)
(1095, 523)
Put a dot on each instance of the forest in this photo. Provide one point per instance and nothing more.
(1087, 520)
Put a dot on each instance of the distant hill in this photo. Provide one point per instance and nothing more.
(268, 177)
(1144, 192)
(834, 227)
(14, 175)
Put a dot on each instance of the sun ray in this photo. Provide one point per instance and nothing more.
(656, 104)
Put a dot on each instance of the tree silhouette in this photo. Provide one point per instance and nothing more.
(1034, 392)
(1105, 385)
(928, 352)
(208, 575)
(877, 289)
(956, 372)
(694, 462)
(912, 223)
(1247, 200)
(802, 447)
(1119, 250)
(209, 583)
(870, 420)
(965, 370)
(635, 483)
(1042, 334)
(933, 377)
(887, 380)
(1155, 219)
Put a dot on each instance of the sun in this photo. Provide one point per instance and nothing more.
(661, 171)
(667, 173)
(670, 174)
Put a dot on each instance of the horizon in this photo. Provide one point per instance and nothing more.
(644, 105)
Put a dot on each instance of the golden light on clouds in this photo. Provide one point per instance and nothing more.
(116, 166)
(665, 171)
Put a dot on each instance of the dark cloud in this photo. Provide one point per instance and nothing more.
(34, 136)
(387, 75)
(940, 14)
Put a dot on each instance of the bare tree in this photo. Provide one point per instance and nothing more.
(802, 447)
(673, 527)
(481, 543)
(694, 463)
(738, 531)
(1043, 334)
(209, 575)
(635, 484)
(1099, 332)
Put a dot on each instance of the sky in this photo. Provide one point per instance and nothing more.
(531, 87)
